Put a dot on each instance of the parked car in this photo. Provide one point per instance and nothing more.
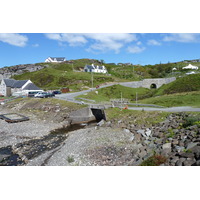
(56, 92)
(33, 93)
(50, 94)
(41, 95)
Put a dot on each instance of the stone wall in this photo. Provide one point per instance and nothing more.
(146, 83)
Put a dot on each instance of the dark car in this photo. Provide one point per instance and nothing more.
(50, 94)
(56, 92)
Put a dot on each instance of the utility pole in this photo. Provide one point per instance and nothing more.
(136, 97)
(92, 79)
(72, 67)
(121, 100)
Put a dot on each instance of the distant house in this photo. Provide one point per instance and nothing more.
(190, 67)
(95, 69)
(10, 86)
(55, 59)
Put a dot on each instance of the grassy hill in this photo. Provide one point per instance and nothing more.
(115, 91)
(53, 78)
(184, 91)
(187, 83)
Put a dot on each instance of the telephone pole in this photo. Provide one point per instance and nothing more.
(92, 79)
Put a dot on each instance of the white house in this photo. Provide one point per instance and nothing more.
(55, 59)
(190, 67)
(10, 86)
(95, 69)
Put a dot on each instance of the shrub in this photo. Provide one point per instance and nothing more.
(154, 160)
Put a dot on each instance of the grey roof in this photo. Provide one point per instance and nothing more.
(9, 82)
(90, 67)
(31, 86)
(58, 58)
(19, 84)
(14, 83)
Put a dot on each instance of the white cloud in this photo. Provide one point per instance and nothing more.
(135, 49)
(14, 39)
(100, 42)
(139, 43)
(74, 39)
(153, 42)
(35, 45)
(182, 37)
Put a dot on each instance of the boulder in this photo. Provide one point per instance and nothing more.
(191, 145)
(180, 162)
(142, 132)
(101, 123)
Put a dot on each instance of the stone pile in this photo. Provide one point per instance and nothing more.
(180, 145)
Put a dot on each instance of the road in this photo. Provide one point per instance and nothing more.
(71, 97)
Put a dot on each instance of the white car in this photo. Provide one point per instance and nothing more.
(41, 95)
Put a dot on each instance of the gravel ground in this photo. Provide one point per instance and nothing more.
(84, 147)
(91, 146)
(13, 133)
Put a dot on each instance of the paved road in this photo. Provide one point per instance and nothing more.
(71, 96)
(172, 109)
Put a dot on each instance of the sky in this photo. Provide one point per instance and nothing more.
(135, 48)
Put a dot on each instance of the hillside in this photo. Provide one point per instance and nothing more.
(70, 73)
(183, 84)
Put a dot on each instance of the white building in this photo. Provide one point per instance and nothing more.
(190, 67)
(10, 86)
(55, 59)
(95, 69)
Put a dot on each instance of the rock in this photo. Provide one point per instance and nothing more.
(166, 146)
(179, 149)
(187, 155)
(191, 145)
(142, 132)
(148, 132)
(196, 151)
(132, 138)
(126, 130)
(180, 162)
(175, 141)
(101, 123)
(188, 162)
(137, 137)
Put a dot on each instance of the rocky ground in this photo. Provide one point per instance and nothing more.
(111, 143)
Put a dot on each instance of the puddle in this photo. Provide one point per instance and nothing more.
(22, 152)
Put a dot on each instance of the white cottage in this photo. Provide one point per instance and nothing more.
(10, 86)
(95, 69)
(55, 59)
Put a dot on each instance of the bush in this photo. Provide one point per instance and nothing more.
(154, 160)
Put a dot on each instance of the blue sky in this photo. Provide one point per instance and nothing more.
(136, 48)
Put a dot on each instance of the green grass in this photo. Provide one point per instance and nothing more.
(135, 116)
(187, 83)
(179, 99)
(115, 91)
(58, 76)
